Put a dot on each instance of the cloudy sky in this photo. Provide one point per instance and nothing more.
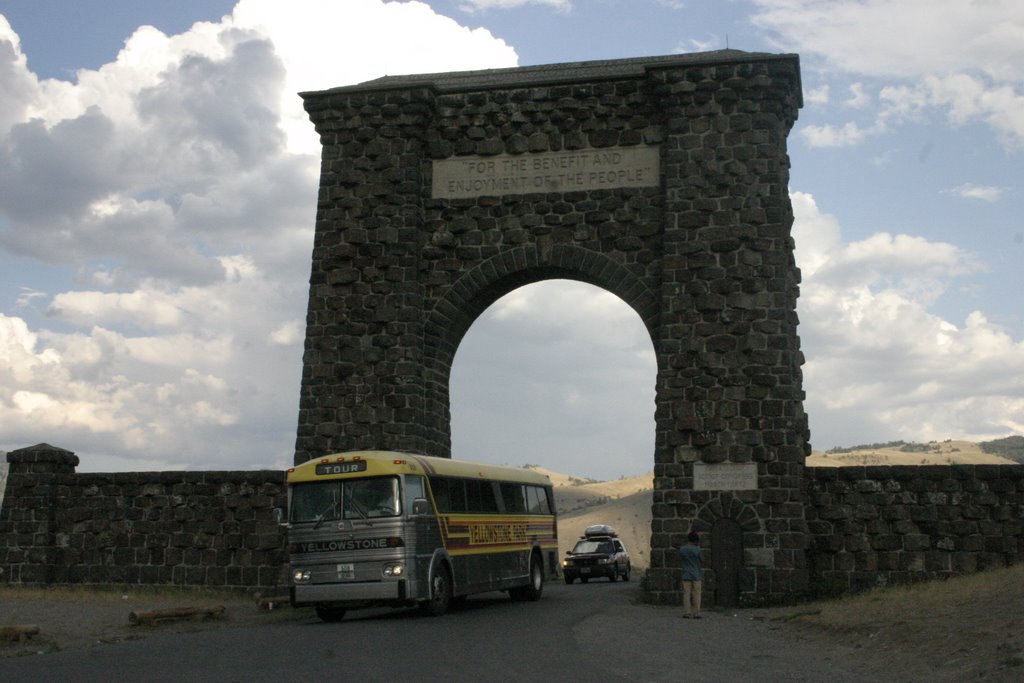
(158, 187)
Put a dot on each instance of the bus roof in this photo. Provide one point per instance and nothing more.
(379, 463)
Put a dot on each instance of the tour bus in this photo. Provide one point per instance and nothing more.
(374, 528)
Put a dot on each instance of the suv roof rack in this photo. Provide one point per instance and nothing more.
(598, 530)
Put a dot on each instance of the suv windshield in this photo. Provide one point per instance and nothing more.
(324, 501)
(587, 546)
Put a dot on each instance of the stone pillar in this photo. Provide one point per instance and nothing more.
(37, 479)
(362, 382)
(729, 384)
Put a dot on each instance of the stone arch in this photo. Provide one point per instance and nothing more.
(479, 287)
(727, 505)
(663, 180)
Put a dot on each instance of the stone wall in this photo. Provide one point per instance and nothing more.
(867, 526)
(154, 528)
(873, 526)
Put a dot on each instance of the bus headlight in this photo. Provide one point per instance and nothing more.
(301, 575)
(394, 569)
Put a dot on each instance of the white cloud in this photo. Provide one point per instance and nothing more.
(187, 175)
(904, 38)
(965, 58)
(325, 45)
(146, 308)
(986, 193)
(858, 98)
(17, 85)
(848, 135)
(879, 361)
(818, 96)
(481, 5)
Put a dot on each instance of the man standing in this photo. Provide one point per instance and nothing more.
(693, 557)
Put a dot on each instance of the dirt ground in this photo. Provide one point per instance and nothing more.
(969, 628)
(74, 618)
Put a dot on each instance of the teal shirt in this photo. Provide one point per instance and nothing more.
(693, 557)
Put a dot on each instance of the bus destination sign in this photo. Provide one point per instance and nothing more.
(326, 468)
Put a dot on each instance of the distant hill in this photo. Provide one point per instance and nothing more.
(1011, 447)
(630, 515)
(948, 452)
(623, 503)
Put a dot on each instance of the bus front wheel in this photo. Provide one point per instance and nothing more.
(440, 593)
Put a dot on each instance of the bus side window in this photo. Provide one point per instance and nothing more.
(415, 488)
(457, 495)
(514, 497)
(549, 493)
(440, 488)
(538, 500)
(480, 497)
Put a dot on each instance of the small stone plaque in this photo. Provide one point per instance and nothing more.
(724, 476)
(586, 169)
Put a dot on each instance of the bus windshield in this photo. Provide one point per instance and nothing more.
(324, 501)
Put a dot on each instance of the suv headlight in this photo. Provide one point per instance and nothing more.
(604, 560)
(301, 575)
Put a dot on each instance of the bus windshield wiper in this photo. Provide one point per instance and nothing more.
(323, 515)
(355, 505)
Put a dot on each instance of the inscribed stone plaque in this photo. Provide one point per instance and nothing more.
(724, 476)
(587, 169)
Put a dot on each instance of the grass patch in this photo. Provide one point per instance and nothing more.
(933, 600)
(963, 628)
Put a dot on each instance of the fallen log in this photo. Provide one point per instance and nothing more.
(175, 614)
(18, 633)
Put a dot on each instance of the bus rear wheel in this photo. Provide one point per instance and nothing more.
(533, 590)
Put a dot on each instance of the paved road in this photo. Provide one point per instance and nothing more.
(581, 632)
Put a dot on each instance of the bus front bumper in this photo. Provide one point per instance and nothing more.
(352, 592)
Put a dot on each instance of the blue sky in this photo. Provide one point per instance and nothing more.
(157, 195)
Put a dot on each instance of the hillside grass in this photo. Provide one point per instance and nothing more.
(968, 627)
(948, 452)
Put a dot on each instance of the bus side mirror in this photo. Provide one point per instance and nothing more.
(279, 517)
(420, 506)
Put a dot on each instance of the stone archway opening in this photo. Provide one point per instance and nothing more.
(557, 373)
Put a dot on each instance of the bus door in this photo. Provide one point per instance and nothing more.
(422, 532)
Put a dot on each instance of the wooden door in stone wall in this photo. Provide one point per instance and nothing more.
(726, 559)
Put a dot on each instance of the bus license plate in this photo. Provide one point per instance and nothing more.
(346, 572)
